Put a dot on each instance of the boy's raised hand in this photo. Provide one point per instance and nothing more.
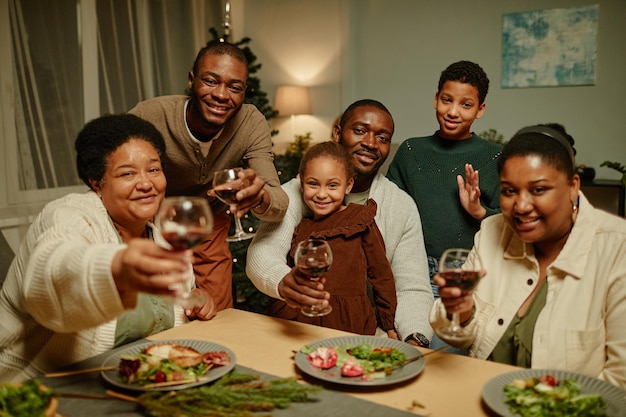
(469, 193)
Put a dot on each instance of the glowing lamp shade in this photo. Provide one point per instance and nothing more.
(291, 100)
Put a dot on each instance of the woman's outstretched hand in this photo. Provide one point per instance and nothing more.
(143, 266)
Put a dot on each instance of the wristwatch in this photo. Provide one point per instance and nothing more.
(419, 338)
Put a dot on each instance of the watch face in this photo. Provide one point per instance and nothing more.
(420, 339)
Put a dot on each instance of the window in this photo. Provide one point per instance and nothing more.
(69, 61)
(48, 99)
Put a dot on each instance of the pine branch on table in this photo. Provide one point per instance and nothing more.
(236, 394)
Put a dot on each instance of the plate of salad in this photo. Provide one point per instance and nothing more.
(553, 393)
(167, 365)
(360, 360)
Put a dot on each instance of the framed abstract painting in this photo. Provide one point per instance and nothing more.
(549, 48)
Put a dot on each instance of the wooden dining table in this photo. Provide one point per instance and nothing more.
(449, 385)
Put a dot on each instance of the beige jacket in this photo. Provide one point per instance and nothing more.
(582, 327)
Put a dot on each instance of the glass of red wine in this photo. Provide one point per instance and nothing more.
(185, 222)
(452, 268)
(226, 184)
(313, 258)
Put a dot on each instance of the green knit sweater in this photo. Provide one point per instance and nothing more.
(426, 168)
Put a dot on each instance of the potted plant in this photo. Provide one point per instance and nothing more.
(618, 167)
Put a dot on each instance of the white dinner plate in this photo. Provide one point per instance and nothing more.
(493, 391)
(408, 371)
(113, 377)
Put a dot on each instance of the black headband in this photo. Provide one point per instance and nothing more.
(551, 133)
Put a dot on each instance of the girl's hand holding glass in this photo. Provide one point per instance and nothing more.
(313, 258)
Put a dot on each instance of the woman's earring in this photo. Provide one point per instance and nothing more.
(574, 211)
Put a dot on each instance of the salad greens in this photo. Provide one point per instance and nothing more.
(547, 397)
(140, 369)
(25, 400)
(165, 364)
(372, 359)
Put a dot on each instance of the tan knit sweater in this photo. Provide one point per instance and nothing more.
(243, 141)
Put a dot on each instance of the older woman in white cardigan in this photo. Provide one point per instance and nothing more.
(91, 270)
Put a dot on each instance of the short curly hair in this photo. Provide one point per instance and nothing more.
(220, 48)
(347, 114)
(466, 72)
(328, 149)
(100, 137)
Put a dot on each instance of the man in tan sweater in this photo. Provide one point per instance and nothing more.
(209, 130)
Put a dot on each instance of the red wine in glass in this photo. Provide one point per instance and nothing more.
(227, 195)
(465, 280)
(314, 272)
(313, 258)
(453, 269)
(185, 222)
(185, 239)
(226, 184)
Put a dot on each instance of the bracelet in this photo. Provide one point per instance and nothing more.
(259, 205)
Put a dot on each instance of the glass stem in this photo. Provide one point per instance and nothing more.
(238, 227)
(455, 325)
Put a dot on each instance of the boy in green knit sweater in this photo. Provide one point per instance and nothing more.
(431, 168)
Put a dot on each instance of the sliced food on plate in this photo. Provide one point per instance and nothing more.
(162, 364)
(362, 360)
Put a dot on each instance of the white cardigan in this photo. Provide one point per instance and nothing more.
(399, 222)
(59, 302)
(582, 327)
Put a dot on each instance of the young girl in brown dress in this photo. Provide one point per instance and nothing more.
(360, 280)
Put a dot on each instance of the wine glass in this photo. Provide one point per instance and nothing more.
(226, 184)
(451, 269)
(313, 258)
(185, 222)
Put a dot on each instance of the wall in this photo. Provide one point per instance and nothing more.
(300, 43)
(394, 51)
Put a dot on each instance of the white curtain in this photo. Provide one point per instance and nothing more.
(48, 100)
(145, 48)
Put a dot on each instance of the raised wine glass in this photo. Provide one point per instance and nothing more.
(226, 184)
(185, 222)
(313, 258)
(451, 269)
